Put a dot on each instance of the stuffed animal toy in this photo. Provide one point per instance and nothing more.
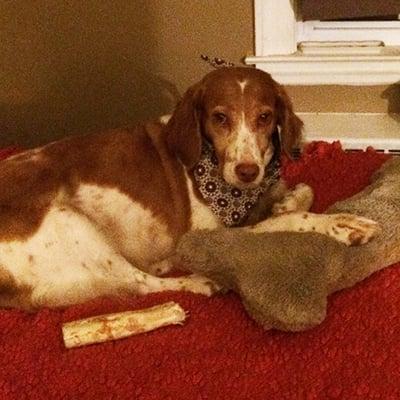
(284, 278)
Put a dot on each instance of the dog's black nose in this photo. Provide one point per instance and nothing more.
(247, 172)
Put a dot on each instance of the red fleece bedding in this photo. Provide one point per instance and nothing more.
(220, 353)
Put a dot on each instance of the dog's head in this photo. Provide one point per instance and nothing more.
(237, 110)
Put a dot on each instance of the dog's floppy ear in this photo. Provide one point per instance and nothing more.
(291, 125)
(183, 129)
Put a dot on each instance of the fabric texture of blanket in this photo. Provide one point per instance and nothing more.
(220, 353)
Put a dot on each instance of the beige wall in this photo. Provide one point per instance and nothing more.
(81, 65)
(334, 98)
(76, 66)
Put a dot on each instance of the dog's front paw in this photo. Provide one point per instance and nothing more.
(352, 230)
(201, 285)
(299, 199)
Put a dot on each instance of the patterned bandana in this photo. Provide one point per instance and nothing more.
(230, 204)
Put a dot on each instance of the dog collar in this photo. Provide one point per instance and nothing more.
(232, 205)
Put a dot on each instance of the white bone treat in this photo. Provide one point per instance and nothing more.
(106, 327)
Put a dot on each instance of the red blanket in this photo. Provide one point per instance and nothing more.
(220, 353)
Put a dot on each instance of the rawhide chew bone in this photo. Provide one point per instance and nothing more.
(106, 327)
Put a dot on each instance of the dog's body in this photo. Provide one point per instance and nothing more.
(101, 214)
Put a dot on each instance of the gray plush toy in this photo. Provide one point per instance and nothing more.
(284, 278)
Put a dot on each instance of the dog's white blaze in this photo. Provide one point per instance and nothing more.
(242, 149)
(242, 85)
(201, 215)
(246, 144)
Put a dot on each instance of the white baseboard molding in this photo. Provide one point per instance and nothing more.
(356, 131)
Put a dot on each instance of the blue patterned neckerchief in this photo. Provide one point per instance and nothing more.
(230, 204)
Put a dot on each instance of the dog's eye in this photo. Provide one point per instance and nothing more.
(264, 117)
(220, 118)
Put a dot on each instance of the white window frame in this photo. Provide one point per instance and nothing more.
(279, 30)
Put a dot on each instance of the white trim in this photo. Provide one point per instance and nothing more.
(276, 43)
(282, 38)
(342, 48)
(355, 131)
(320, 31)
(301, 69)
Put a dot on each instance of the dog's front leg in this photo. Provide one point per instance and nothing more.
(346, 228)
(191, 283)
(300, 198)
(278, 199)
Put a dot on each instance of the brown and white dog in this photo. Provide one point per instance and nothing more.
(100, 214)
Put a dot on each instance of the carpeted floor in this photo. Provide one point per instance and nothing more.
(220, 353)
